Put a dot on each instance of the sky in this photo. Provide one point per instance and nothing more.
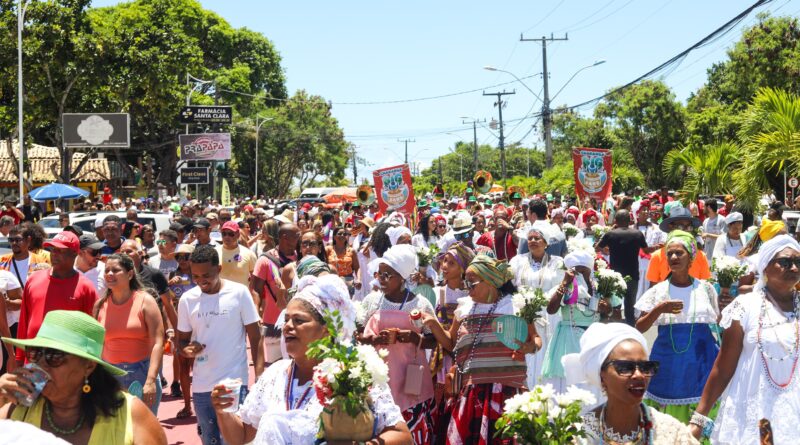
(354, 52)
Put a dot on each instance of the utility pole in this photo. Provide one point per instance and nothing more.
(475, 123)
(547, 120)
(406, 142)
(441, 177)
(499, 105)
(355, 162)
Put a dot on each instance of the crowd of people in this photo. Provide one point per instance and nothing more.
(97, 311)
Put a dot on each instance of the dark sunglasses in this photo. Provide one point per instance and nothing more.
(345, 234)
(462, 236)
(228, 233)
(53, 357)
(161, 242)
(442, 226)
(94, 252)
(786, 262)
(471, 284)
(182, 257)
(626, 368)
(308, 243)
(385, 276)
(16, 239)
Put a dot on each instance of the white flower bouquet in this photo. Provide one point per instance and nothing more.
(609, 282)
(569, 230)
(541, 416)
(727, 270)
(598, 231)
(342, 382)
(426, 255)
(528, 303)
(580, 244)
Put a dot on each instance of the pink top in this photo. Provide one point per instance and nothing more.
(127, 339)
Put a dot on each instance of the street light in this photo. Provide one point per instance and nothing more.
(460, 158)
(258, 128)
(21, 9)
(597, 62)
(491, 68)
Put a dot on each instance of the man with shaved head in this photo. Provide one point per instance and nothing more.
(286, 250)
(501, 240)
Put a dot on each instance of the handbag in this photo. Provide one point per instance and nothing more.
(414, 375)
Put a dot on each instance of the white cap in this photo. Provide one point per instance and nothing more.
(734, 217)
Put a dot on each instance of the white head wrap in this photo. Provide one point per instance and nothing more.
(396, 219)
(394, 233)
(768, 251)
(734, 217)
(329, 293)
(579, 258)
(596, 344)
(402, 258)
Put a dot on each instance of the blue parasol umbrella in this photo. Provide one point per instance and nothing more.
(55, 191)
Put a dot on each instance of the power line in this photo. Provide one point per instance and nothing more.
(602, 18)
(546, 16)
(588, 17)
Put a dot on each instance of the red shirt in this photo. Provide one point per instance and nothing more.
(268, 271)
(44, 293)
(501, 252)
(12, 214)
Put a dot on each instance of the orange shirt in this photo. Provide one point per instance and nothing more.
(658, 269)
(127, 339)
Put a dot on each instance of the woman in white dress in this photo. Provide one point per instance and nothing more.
(754, 375)
(282, 407)
(614, 359)
(538, 270)
(733, 240)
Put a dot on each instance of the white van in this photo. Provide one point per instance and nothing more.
(315, 194)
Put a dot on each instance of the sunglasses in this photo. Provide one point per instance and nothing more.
(385, 276)
(626, 368)
(53, 357)
(471, 284)
(786, 262)
(308, 243)
(227, 233)
(94, 252)
(161, 242)
(462, 236)
(182, 257)
(442, 226)
(345, 234)
(16, 239)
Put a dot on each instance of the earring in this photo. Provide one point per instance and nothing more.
(86, 387)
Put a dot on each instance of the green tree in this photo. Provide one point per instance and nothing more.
(646, 120)
(702, 170)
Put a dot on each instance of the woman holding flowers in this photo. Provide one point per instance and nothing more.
(613, 359)
(579, 305)
(390, 327)
(540, 272)
(755, 376)
(486, 372)
(684, 309)
(282, 406)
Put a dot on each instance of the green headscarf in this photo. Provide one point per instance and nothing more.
(496, 273)
(686, 239)
(311, 265)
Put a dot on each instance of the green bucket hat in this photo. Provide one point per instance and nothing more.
(73, 332)
(516, 195)
(489, 202)
(422, 203)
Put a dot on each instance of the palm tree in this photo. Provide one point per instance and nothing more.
(770, 136)
(702, 170)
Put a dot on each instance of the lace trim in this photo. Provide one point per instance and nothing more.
(735, 311)
(592, 426)
(662, 401)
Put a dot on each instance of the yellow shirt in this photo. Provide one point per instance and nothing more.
(237, 264)
(116, 430)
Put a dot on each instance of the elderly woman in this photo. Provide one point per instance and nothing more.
(389, 326)
(733, 240)
(750, 252)
(538, 270)
(281, 407)
(613, 359)
(684, 309)
(481, 386)
(754, 376)
(81, 402)
(577, 314)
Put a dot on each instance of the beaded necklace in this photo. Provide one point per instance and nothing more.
(691, 328)
(644, 432)
(481, 325)
(61, 431)
(287, 396)
(765, 356)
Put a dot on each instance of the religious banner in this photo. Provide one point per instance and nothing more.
(394, 190)
(592, 167)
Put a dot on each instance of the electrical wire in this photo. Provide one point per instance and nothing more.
(602, 18)
(588, 17)
(546, 16)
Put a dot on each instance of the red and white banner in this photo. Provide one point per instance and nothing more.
(394, 190)
(592, 167)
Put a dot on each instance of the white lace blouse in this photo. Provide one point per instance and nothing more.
(750, 395)
(265, 409)
(699, 304)
(666, 430)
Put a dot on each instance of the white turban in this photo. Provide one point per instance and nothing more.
(596, 344)
(734, 217)
(329, 293)
(579, 258)
(550, 233)
(402, 258)
(394, 233)
(768, 251)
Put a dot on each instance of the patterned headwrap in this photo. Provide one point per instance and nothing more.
(327, 294)
(686, 239)
(492, 271)
(769, 229)
(462, 254)
(311, 265)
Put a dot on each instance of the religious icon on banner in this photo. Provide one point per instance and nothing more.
(592, 167)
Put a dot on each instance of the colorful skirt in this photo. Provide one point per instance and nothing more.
(475, 412)
(420, 422)
(686, 353)
(565, 341)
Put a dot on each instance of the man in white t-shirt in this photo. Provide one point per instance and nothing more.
(213, 318)
(238, 262)
(10, 289)
(88, 262)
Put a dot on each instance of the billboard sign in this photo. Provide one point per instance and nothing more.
(108, 130)
(194, 175)
(195, 114)
(205, 146)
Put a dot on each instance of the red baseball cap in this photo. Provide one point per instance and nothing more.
(65, 240)
(230, 225)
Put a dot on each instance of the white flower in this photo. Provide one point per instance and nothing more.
(514, 404)
(600, 264)
(582, 244)
(356, 372)
(328, 368)
(373, 364)
(361, 313)
(575, 394)
(518, 301)
(544, 392)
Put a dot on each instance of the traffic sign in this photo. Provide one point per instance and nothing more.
(793, 182)
(217, 114)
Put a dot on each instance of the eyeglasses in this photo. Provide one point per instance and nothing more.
(228, 233)
(161, 242)
(385, 276)
(626, 368)
(786, 262)
(307, 243)
(462, 236)
(16, 239)
(471, 284)
(344, 234)
(182, 257)
(442, 226)
(53, 357)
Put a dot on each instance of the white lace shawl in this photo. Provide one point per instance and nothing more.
(265, 408)
(666, 430)
(704, 307)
